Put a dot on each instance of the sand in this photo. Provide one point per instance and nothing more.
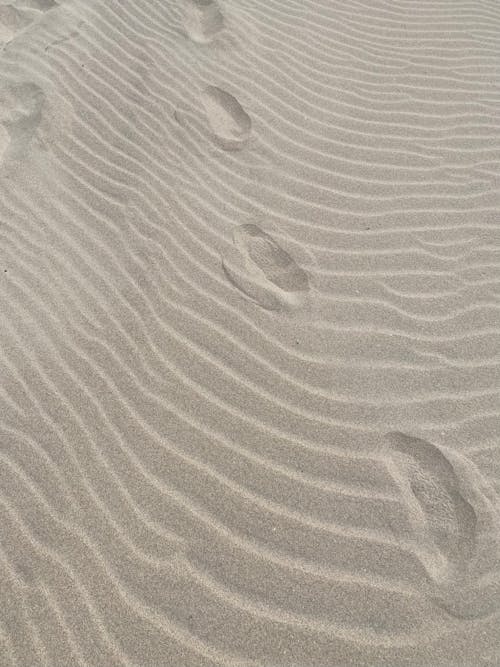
(249, 333)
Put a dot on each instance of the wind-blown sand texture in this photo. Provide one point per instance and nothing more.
(249, 333)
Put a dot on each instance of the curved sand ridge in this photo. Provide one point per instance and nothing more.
(198, 467)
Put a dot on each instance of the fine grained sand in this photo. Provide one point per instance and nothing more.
(249, 333)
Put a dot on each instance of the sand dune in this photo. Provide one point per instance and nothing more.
(249, 333)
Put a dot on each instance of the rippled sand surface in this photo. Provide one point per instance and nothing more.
(249, 333)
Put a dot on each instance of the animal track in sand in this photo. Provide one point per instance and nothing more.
(229, 122)
(454, 523)
(203, 20)
(267, 274)
(20, 114)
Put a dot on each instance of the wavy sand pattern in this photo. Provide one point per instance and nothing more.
(249, 333)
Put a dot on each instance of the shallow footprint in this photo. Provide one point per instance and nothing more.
(12, 21)
(229, 122)
(203, 20)
(17, 15)
(452, 520)
(20, 114)
(264, 271)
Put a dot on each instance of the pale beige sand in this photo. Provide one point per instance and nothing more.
(249, 333)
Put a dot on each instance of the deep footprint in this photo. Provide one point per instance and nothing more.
(203, 20)
(229, 122)
(269, 275)
(21, 107)
(446, 521)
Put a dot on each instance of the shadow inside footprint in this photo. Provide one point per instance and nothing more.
(265, 272)
(446, 508)
(41, 5)
(229, 122)
(20, 114)
(203, 20)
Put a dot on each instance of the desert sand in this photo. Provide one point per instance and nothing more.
(249, 333)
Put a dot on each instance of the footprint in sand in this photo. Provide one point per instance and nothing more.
(12, 21)
(17, 15)
(203, 20)
(20, 114)
(455, 524)
(262, 270)
(229, 122)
